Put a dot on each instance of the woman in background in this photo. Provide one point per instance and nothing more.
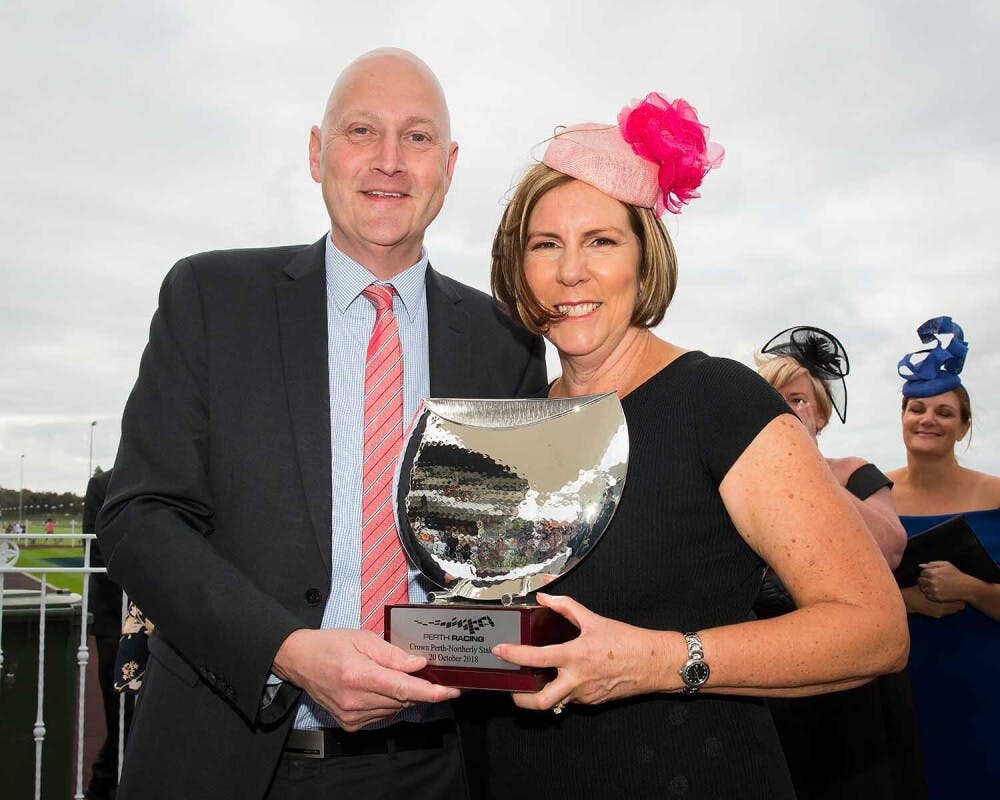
(863, 742)
(807, 366)
(955, 655)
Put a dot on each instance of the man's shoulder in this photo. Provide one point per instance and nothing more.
(456, 290)
(476, 305)
(233, 282)
(249, 253)
(99, 483)
(252, 260)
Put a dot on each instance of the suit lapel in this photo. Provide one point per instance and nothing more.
(303, 331)
(449, 348)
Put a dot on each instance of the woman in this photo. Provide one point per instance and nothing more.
(807, 366)
(863, 742)
(659, 694)
(953, 616)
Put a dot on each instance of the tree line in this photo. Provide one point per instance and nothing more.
(39, 502)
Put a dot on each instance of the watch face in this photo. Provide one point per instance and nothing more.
(696, 673)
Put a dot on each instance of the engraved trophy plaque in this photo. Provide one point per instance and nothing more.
(495, 499)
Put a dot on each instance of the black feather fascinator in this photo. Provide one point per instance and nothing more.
(822, 354)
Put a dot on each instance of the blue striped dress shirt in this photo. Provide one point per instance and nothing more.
(350, 319)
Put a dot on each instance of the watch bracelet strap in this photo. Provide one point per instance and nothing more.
(696, 650)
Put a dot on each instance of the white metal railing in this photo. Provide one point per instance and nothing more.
(9, 554)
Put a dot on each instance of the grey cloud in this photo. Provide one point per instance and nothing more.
(857, 194)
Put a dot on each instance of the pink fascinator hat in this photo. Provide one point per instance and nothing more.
(656, 157)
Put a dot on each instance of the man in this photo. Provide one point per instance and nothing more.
(105, 606)
(236, 517)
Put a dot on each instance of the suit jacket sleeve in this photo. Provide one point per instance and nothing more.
(534, 378)
(156, 526)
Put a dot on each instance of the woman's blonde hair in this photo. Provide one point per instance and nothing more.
(779, 371)
(657, 259)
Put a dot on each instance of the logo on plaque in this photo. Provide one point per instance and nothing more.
(496, 499)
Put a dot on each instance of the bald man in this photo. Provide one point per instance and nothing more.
(234, 514)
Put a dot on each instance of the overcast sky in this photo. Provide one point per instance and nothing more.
(858, 192)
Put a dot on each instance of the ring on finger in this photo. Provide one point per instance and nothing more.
(559, 707)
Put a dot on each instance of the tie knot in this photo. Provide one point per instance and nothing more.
(380, 296)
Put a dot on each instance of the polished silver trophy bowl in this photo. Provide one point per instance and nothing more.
(495, 500)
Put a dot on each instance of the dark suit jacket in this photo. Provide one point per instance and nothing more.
(217, 521)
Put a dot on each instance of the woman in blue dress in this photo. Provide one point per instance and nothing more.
(955, 636)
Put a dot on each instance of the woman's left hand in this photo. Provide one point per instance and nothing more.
(609, 660)
(943, 582)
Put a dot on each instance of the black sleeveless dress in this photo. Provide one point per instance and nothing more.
(671, 559)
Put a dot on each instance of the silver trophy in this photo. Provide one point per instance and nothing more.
(496, 499)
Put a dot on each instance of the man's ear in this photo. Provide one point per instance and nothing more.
(452, 158)
(316, 154)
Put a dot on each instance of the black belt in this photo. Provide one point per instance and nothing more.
(334, 742)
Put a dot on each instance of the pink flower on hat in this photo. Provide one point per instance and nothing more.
(670, 135)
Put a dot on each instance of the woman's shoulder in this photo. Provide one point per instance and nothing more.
(726, 405)
(844, 468)
(846, 464)
(985, 487)
(967, 491)
(714, 388)
(709, 365)
(704, 372)
(897, 475)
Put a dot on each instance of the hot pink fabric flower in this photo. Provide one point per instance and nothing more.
(670, 135)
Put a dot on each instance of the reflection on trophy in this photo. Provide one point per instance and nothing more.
(495, 499)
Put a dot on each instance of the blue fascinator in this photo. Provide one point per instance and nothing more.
(934, 370)
(822, 355)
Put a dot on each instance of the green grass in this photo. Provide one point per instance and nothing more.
(41, 557)
(65, 523)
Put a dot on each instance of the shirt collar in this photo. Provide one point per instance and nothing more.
(346, 279)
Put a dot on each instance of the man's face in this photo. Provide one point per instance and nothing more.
(384, 159)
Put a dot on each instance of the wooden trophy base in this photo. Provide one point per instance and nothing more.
(456, 640)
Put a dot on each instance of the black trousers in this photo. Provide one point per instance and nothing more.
(436, 774)
(104, 774)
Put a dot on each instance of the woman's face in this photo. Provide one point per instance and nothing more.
(582, 260)
(800, 394)
(933, 424)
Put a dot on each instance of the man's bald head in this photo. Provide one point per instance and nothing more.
(387, 64)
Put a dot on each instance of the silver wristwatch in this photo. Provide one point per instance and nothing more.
(695, 671)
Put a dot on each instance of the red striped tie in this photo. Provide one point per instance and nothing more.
(383, 565)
